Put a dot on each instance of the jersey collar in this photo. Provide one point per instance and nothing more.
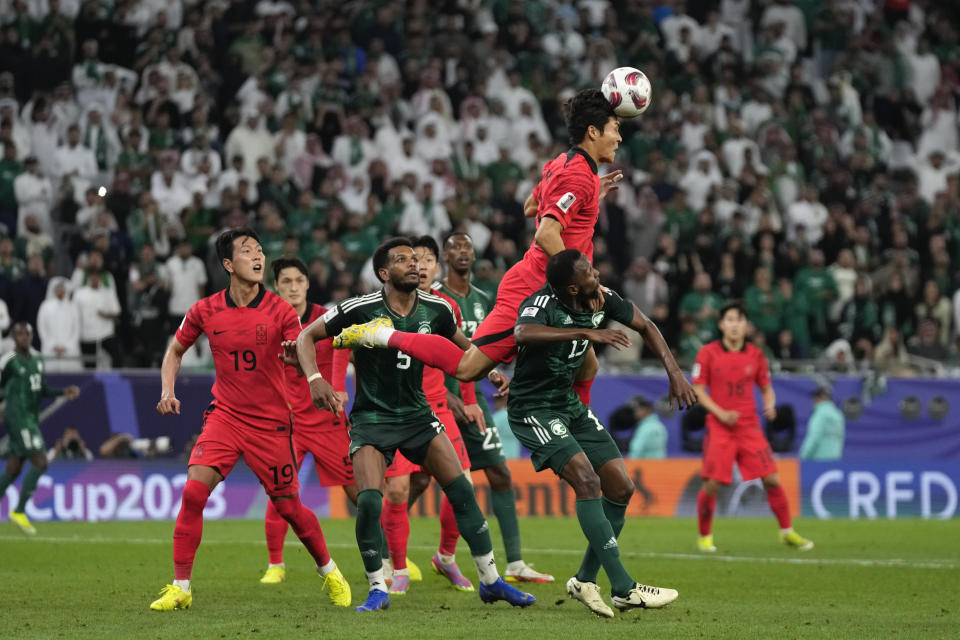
(306, 315)
(253, 303)
(577, 151)
(741, 349)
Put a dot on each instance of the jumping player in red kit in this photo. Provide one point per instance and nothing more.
(320, 433)
(566, 204)
(730, 367)
(250, 413)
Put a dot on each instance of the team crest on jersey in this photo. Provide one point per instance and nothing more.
(198, 451)
(261, 334)
(747, 369)
(566, 201)
(597, 318)
(478, 311)
(558, 428)
(424, 327)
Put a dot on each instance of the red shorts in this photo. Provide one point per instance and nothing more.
(331, 453)
(269, 454)
(747, 447)
(403, 467)
(494, 336)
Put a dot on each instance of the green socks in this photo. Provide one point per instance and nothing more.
(5, 481)
(616, 514)
(505, 509)
(473, 526)
(603, 543)
(369, 533)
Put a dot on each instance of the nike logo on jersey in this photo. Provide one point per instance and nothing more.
(216, 333)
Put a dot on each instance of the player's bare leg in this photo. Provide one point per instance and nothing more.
(706, 506)
(777, 498)
(627, 593)
(369, 466)
(443, 464)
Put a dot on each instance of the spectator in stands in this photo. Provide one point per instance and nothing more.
(825, 429)
(58, 326)
(702, 306)
(650, 438)
(149, 297)
(187, 278)
(70, 446)
(99, 310)
(934, 306)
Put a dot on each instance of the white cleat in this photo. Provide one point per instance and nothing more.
(589, 594)
(645, 597)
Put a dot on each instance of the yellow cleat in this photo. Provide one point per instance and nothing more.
(22, 521)
(415, 574)
(274, 575)
(171, 598)
(369, 334)
(705, 544)
(795, 540)
(337, 588)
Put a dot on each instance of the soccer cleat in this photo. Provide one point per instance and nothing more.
(172, 597)
(369, 334)
(500, 590)
(589, 594)
(526, 574)
(705, 544)
(274, 575)
(645, 597)
(376, 600)
(22, 521)
(415, 574)
(400, 584)
(792, 539)
(452, 573)
(337, 588)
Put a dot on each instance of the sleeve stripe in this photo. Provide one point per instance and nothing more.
(349, 304)
(7, 357)
(432, 298)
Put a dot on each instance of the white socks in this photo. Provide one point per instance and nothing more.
(382, 335)
(376, 580)
(326, 569)
(446, 559)
(183, 584)
(516, 566)
(272, 565)
(486, 568)
(786, 531)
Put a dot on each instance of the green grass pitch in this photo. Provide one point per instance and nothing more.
(863, 580)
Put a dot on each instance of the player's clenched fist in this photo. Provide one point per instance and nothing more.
(728, 418)
(168, 404)
(682, 392)
(324, 397)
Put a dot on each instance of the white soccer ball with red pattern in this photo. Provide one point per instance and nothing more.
(628, 90)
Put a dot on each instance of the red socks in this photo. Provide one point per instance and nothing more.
(189, 528)
(429, 349)
(396, 525)
(276, 529)
(777, 498)
(582, 387)
(306, 526)
(706, 505)
(449, 533)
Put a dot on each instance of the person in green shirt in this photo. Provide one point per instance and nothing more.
(503, 169)
(765, 305)
(702, 304)
(825, 429)
(23, 385)
(10, 168)
(649, 441)
(819, 289)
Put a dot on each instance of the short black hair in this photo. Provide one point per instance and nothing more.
(22, 325)
(225, 241)
(381, 255)
(561, 267)
(286, 263)
(450, 236)
(733, 304)
(427, 242)
(588, 107)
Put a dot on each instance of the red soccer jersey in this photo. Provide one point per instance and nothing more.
(569, 192)
(729, 376)
(245, 341)
(332, 364)
(433, 378)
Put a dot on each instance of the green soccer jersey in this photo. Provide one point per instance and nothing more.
(544, 374)
(24, 385)
(474, 307)
(389, 382)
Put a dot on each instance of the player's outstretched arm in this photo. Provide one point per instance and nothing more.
(321, 392)
(172, 360)
(680, 389)
(539, 334)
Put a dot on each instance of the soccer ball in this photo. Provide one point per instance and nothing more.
(628, 90)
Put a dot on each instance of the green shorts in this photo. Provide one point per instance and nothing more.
(412, 437)
(485, 449)
(23, 440)
(553, 437)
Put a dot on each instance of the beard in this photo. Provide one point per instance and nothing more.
(406, 287)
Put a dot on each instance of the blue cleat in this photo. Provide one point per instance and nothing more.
(376, 600)
(500, 590)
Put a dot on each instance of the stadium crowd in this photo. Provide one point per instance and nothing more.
(802, 156)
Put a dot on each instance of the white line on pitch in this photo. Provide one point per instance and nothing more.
(848, 562)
